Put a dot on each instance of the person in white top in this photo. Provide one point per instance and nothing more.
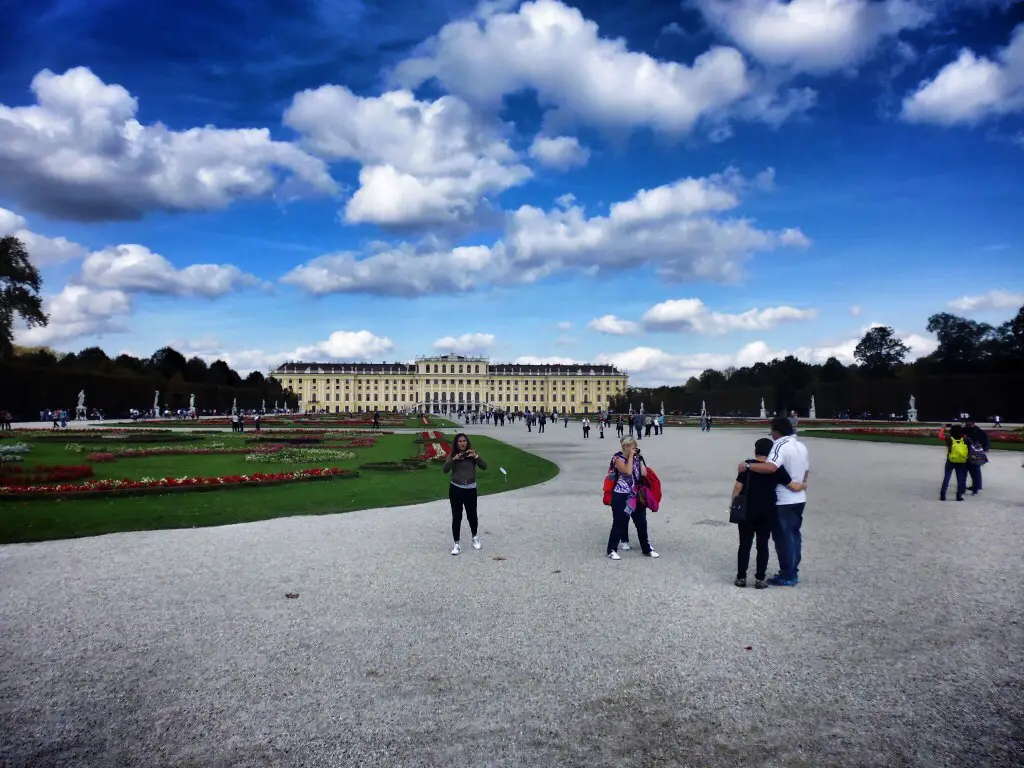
(790, 453)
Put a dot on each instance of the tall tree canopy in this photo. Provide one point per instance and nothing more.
(19, 292)
(880, 351)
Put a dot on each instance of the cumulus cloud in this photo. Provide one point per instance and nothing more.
(987, 301)
(651, 366)
(559, 152)
(692, 315)
(972, 88)
(816, 36)
(424, 162)
(80, 153)
(673, 228)
(550, 48)
(137, 269)
(77, 310)
(549, 360)
(613, 325)
(341, 346)
(466, 344)
(43, 250)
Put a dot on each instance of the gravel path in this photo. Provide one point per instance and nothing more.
(902, 646)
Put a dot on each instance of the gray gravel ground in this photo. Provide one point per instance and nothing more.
(902, 645)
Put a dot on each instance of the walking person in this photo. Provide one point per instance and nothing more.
(619, 427)
(628, 467)
(586, 428)
(761, 513)
(462, 462)
(600, 429)
(957, 453)
(789, 453)
(977, 446)
(638, 425)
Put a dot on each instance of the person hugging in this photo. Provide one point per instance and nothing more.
(759, 490)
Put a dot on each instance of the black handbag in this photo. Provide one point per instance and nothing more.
(738, 507)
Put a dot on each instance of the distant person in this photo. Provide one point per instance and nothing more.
(794, 420)
(957, 453)
(462, 462)
(638, 425)
(543, 421)
(789, 453)
(709, 422)
(620, 428)
(586, 428)
(978, 446)
(600, 429)
(762, 515)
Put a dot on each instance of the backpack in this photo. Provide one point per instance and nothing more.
(958, 451)
(609, 483)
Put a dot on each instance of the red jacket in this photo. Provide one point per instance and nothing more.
(653, 482)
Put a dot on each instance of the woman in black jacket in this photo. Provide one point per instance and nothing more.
(462, 463)
(760, 492)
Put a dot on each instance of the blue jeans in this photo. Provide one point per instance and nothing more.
(961, 478)
(786, 534)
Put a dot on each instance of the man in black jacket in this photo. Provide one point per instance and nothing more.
(978, 445)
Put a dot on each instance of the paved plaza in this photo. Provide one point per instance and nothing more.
(902, 645)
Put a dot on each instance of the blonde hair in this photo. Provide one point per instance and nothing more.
(629, 440)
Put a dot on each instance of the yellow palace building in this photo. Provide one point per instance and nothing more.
(450, 384)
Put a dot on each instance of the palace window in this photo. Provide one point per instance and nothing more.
(444, 369)
(435, 371)
(477, 369)
(460, 371)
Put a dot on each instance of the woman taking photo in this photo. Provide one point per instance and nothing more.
(628, 467)
(462, 463)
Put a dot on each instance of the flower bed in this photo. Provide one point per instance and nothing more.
(406, 465)
(14, 452)
(997, 436)
(434, 450)
(44, 475)
(96, 488)
(300, 455)
(97, 436)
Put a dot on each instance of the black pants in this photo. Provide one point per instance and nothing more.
(459, 498)
(974, 470)
(748, 531)
(620, 524)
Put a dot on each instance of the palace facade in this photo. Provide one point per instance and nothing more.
(450, 384)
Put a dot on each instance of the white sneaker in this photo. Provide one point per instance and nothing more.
(614, 556)
(457, 548)
(476, 542)
(624, 546)
(653, 554)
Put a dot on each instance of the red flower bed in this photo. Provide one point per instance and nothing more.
(44, 475)
(436, 448)
(117, 487)
(997, 436)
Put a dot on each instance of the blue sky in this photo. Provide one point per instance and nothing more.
(684, 186)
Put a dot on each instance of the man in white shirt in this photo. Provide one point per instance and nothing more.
(790, 453)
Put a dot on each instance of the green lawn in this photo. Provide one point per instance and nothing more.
(436, 422)
(929, 439)
(41, 520)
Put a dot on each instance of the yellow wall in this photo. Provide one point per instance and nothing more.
(473, 382)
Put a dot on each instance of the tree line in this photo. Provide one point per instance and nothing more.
(977, 367)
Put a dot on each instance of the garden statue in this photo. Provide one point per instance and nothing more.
(234, 406)
(812, 414)
(156, 402)
(191, 402)
(81, 400)
(912, 412)
(264, 406)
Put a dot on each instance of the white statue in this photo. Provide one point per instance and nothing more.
(813, 414)
(264, 406)
(912, 412)
(703, 407)
(81, 400)
(156, 402)
(191, 402)
(913, 403)
(764, 411)
(234, 406)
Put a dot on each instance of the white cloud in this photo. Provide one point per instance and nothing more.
(550, 360)
(424, 162)
(670, 227)
(43, 250)
(972, 88)
(650, 366)
(79, 153)
(560, 152)
(552, 49)
(136, 268)
(816, 36)
(466, 344)
(855, 310)
(340, 346)
(613, 325)
(564, 326)
(77, 311)
(693, 315)
(992, 300)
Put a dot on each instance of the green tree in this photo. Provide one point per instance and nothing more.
(880, 351)
(130, 364)
(19, 292)
(93, 358)
(964, 344)
(167, 361)
(196, 370)
(832, 371)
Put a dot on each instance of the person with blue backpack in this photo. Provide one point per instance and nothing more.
(957, 454)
